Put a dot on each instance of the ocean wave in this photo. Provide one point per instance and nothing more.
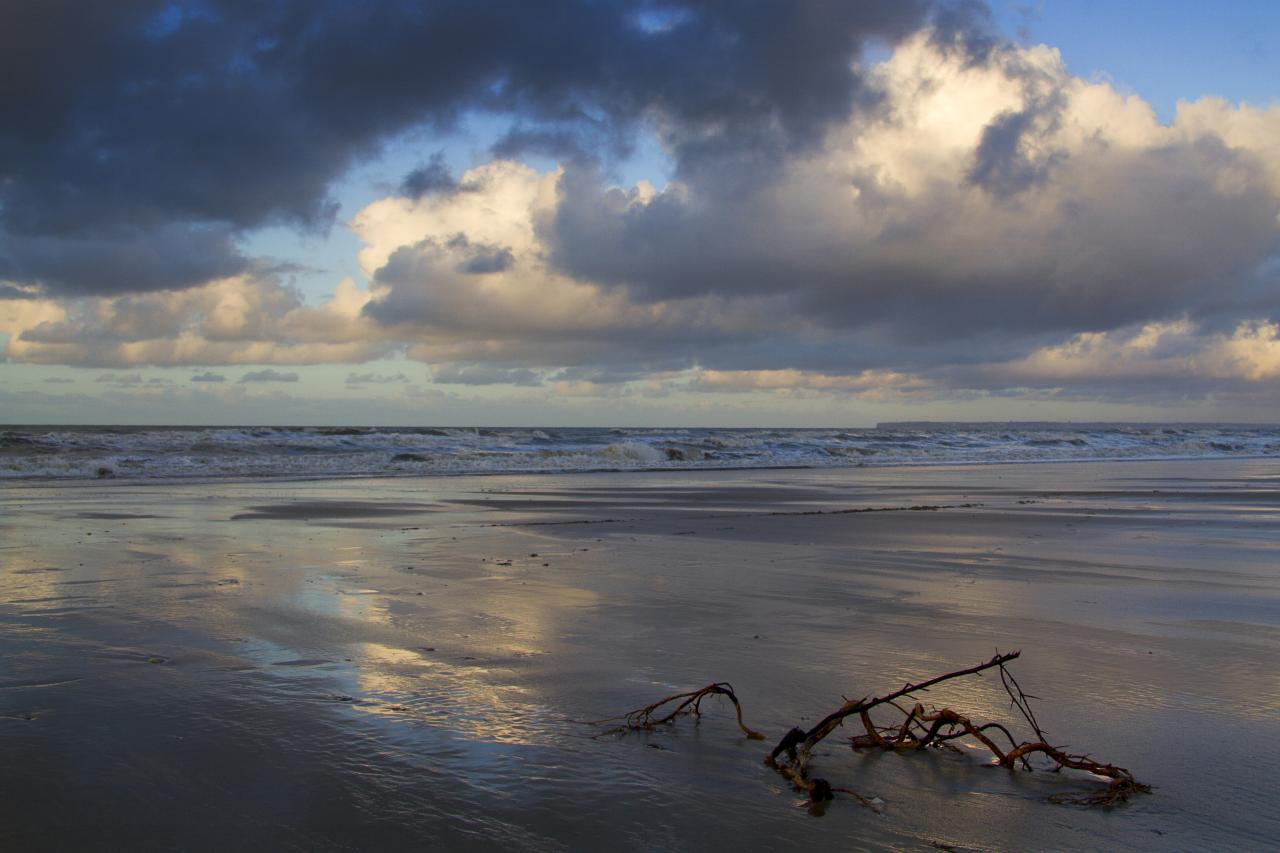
(264, 452)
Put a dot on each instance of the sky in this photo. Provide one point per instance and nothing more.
(639, 213)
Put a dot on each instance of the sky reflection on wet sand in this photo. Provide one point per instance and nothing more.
(303, 678)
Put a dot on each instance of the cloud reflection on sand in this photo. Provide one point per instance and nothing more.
(441, 661)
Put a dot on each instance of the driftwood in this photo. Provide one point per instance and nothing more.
(664, 711)
(916, 728)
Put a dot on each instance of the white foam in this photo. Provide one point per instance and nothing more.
(162, 453)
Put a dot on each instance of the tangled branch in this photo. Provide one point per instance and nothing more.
(665, 711)
(921, 727)
(916, 727)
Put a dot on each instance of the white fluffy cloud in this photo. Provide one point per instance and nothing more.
(241, 320)
(1175, 354)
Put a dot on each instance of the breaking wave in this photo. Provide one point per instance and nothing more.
(202, 452)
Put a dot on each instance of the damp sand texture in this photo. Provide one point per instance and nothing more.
(402, 663)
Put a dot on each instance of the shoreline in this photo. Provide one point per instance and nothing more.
(304, 454)
(234, 479)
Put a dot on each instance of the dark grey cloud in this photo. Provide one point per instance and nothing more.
(121, 259)
(966, 26)
(186, 123)
(521, 141)
(208, 376)
(433, 178)
(1002, 165)
(404, 300)
(1129, 237)
(269, 375)
(487, 261)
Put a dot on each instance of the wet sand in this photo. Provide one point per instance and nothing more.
(398, 664)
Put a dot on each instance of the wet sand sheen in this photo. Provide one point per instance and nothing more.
(385, 664)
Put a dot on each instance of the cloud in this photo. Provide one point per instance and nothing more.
(987, 224)
(10, 291)
(487, 261)
(132, 381)
(133, 124)
(427, 292)
(119, 379)
(208, 377)
(23, 313)
(433, 178)
(937, 218)
(792, 381)
(358, 379)
(1177, 355)
(247, 319)
(121, 259)
(483, 374)
(1006, 161)
(269, 375)
(58, 380)
(902, 248)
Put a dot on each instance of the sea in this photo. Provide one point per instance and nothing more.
(176, 452)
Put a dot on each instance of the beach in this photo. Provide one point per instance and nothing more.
(411, 662)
